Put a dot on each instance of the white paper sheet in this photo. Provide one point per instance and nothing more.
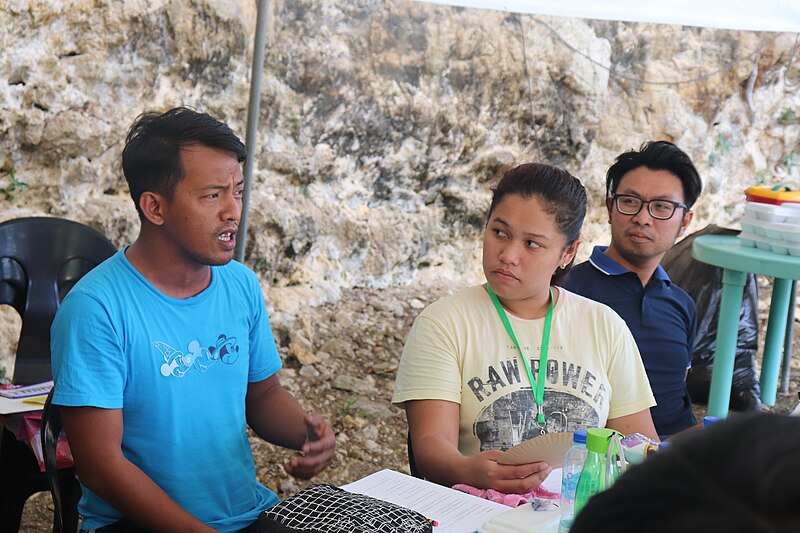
(455, 511)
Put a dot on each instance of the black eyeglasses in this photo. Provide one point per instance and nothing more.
(659, 209)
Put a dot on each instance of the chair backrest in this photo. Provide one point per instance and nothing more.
(41, 258)
(412, 463)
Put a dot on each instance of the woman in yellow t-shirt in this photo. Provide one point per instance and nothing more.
(494, 365)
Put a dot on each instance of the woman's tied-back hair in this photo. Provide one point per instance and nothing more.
(560, 193)
(151, 159)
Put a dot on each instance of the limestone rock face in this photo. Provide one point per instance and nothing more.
(383, 122)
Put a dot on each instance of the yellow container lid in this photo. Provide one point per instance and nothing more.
(772, 194)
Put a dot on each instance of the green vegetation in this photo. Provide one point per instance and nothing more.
(790, 160)
(13, 186)
(348, 406)
(722, 147)
(788, 117)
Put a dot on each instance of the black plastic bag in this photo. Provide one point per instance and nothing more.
(703, 282)
(324, 508)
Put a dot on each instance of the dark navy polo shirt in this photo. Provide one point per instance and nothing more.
(662, 318)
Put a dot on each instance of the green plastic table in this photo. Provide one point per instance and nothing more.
(737, 261)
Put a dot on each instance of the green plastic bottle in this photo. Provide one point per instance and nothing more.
(594, 477)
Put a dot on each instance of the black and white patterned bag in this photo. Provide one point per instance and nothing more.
(322, 508)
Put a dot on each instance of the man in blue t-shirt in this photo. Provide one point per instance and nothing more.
(163, 355)
(650, 193)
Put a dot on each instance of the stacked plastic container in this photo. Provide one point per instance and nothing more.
(772, 220)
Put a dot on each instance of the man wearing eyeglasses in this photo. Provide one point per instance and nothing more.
(650, 193)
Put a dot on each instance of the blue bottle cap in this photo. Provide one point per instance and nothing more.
(579, 437)
(708, 420)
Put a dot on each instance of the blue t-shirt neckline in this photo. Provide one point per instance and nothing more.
(197, 299)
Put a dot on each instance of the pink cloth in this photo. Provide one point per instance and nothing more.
(511, 500)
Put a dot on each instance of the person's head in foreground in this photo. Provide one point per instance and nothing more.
(531, 236)
(738, 475)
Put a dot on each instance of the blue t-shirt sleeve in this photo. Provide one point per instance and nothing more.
(264, 358)
(89, 368)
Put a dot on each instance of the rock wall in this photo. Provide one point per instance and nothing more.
(382, 122)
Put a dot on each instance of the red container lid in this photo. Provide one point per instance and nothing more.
(777, 194)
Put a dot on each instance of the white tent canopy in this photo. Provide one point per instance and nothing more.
(760, 15)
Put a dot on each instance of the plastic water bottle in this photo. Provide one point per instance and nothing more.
(597, 474)
(570, 472)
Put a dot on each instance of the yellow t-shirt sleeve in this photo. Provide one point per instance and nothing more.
(631, 391)
(429, 367)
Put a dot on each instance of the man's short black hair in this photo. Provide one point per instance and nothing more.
(657, 155)
(151, 159)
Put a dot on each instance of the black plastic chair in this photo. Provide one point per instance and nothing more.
(64, 486)
(412, 463)
(41, 259)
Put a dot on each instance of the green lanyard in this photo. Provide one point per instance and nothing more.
(537, 386)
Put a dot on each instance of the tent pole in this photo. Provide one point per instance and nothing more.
(252, 121)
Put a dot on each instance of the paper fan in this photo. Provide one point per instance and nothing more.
(549, 448)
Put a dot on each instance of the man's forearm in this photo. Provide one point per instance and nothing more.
(277, 417)
(140, 500)
(95, 437)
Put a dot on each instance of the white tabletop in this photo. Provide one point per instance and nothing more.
(10, 406)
